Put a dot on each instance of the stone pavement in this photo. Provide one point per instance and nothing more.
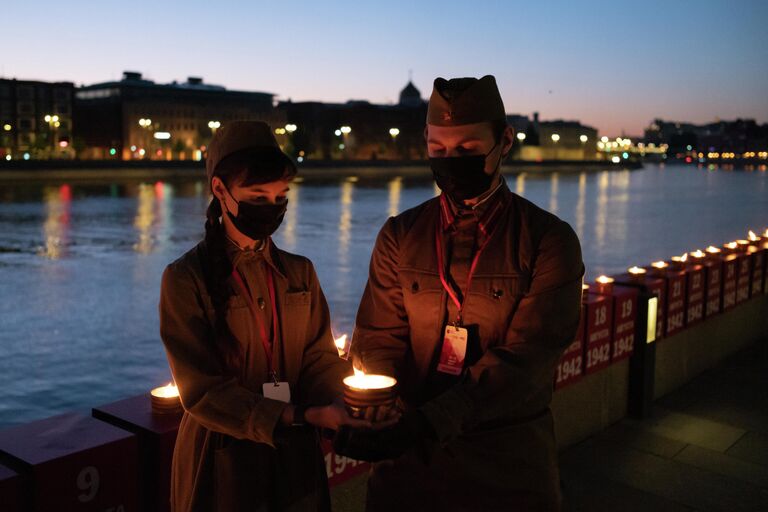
(704, 449)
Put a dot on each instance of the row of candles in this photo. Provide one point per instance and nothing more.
(365, 393)
(604, 283)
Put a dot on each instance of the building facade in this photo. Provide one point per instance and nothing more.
(36, 119)
(136, 118)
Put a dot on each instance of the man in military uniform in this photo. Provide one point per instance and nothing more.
(471, 299)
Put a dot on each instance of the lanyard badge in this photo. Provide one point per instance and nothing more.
(455, 336)
(274, 389)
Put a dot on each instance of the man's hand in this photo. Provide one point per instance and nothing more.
(333, 417)
(370, 445)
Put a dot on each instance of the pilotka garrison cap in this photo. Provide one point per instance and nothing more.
(235, 136)
(465, 101)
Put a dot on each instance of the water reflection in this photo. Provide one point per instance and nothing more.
(152, 220)
(580, 204)
(601, 221)
(520, 184)
(58, 204)
(553, 192)
(619, 195)
(291, 217)
(345, 223)
(395, 189)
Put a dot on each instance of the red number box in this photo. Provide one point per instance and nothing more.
(11, 490)
(156, 434)
(571, 365)
(339, 468)
(759, 253)
(654, 285)
(75, 463)
(713, 271)
(730, 274)
(696, 278)
(598, 333)
(674, 305)
(624, 316)
(743, 276)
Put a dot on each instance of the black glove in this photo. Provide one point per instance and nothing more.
(375, 445)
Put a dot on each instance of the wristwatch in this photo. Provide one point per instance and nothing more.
(298, 416)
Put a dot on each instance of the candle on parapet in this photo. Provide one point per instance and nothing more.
(166, 399)
(604, 284)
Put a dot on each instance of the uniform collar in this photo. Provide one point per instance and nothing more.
(487, 210)
(264, 251)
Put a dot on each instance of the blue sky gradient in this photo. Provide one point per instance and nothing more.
(614, 65)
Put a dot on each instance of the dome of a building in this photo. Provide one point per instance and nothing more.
(410, 95)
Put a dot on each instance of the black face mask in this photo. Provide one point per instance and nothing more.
(462, 177)
(257, 221)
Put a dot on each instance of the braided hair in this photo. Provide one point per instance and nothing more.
(243, 168)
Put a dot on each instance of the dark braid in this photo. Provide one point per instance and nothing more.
(217, 269)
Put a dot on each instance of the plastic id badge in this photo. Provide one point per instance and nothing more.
(277, 391)
(454, 350)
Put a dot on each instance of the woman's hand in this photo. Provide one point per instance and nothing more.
(332, 417)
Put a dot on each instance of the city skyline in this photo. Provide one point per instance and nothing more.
(608, 65)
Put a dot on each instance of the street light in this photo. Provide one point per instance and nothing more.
(345, 130)
(555, 138)
(53, 124)
(145, 125)
(290, 128)
(394, 132)
(7, 127)
(583, 139)
(214, 125)
(521, 136)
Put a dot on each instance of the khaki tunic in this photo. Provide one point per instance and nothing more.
(229, 454)
(496, 448)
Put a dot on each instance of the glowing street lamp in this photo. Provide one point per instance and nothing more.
(583, 139)
(346, 130)
(394, 132)
(7, 127)
(521, 136)
(145, 123)
(290, 128)
(555, 138)
(214, 125)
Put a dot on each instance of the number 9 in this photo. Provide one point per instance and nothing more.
(88, 480)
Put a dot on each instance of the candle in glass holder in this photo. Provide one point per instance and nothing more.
(659, 267)
(604, 285)
(637, 274)
(366, 395)
(166, 400)
(678, 262)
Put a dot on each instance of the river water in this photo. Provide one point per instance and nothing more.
(80, 264)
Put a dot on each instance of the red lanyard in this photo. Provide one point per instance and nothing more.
(268, 344)
(440, 241)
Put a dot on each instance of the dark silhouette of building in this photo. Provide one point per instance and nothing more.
(35, 119)
(137, 118)
(357, 129)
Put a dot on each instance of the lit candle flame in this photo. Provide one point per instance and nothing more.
(585, 287)
(604, 280)
(753, 236)
(712, 249)
(361, 380)
(636, 270)
(680, 259)
(765, 233)
(341, 342)
(168, 391)
(742, 242)
(732, 245)
(659, 264)
(698, 253)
